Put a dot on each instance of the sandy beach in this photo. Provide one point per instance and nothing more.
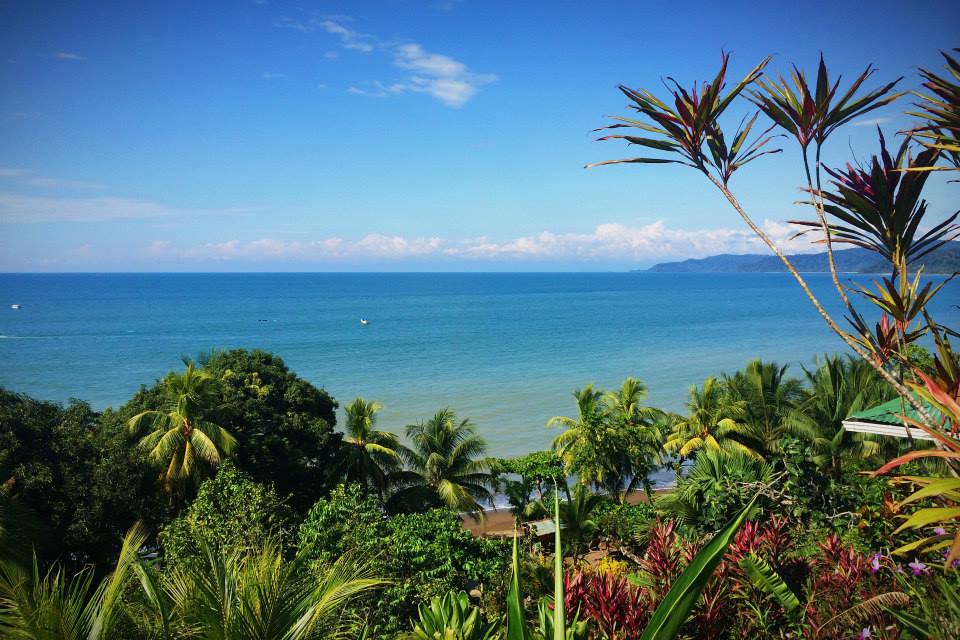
(499, 522)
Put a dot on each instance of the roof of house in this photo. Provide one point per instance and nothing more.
(886, 420)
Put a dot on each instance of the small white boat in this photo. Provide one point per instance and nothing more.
(15, 306)
(364, 321)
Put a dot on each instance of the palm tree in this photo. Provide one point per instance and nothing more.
(179, 437)
(576, 518)
(644, 434)
(250, 593)
(54, 606)
(837, 388)
(371, 454)
(714, 422)
(582, 444)
(626, 403)
(580, 429)
(614, 441)
(711, 485)
(445, 466)
(770, 395)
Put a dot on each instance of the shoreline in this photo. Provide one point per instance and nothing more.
(499, 522)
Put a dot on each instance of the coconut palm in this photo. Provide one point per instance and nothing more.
(446, 466)
(769, 396)
(643, 431)
(53, 606)
(371, 454)
(614, 441)
(837, 388)
(249, 593)
(179, 436)
(714, 421)
(627, 403)
(719, 483)
(576, 518)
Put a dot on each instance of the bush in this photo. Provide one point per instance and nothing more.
(623, 523)
(351, 520)
(425, 555)
(230, 511)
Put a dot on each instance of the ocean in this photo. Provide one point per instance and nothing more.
(505, 350)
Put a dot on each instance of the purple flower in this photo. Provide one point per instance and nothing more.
(864, 634)
(875, 563)
(918, 567)
(939, 531)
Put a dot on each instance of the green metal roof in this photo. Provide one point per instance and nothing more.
(890, 412)
(885, 420)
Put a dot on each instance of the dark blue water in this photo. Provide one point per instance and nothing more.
(504, 349)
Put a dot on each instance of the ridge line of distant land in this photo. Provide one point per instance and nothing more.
(944, 260)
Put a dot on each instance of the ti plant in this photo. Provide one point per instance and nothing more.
(878, 208)
(940, 111)
(941, 523)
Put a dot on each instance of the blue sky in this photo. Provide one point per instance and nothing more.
(437, 135)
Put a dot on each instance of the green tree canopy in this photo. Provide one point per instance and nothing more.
(75, 471)
(284, 424)
(231, 511)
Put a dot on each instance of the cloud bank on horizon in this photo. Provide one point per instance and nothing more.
(609, 243)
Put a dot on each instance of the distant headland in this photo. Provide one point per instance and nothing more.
(944, 260)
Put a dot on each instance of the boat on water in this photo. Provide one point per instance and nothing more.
(364, 321)
(15, 306)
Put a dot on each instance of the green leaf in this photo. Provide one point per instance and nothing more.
(516, 624)
(924, 517)
(683, 595)
(559, 621)
(763, 575)
(914, 625)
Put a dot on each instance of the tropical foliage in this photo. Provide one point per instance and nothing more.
(181, 439)
(446, 466)
(371, 454)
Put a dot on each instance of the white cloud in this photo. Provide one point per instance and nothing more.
(607, 242)
(269, 75)
(350, 39)
(441, 76)
(869, 122)
(27, 177)
(24, 209)
(66, 55)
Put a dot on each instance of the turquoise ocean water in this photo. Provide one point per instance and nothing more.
(506, 350)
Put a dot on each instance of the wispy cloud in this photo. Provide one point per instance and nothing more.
(607, 242)
(17, 208)
(271, 75)
(350, 39)
(66, 55)
(29, 178)
(869, 122)
(441, 76)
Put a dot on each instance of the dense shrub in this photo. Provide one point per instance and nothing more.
(77, 473)
(231, 511)
(423, 554)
